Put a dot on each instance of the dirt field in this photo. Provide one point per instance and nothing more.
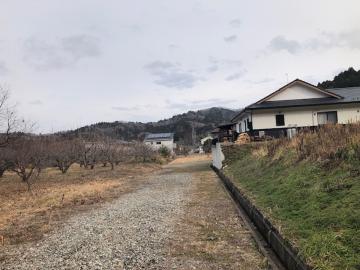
(179, 217)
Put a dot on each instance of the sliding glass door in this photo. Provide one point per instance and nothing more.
(327, 117)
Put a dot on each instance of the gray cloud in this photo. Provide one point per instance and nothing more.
(231, 38)
(265, 80)
(235, 76)
(36, 102)
(136, 28)
(59, 54)
(324, 41)
(280, 43)
(120, 108)
(351, 38)
(81, 46)
(173, 46)
(236, 23)
(212, 68)
(3, 68)
(198, 104)
(217, 64)
(172, 75)
(328, 40)
(226, 63)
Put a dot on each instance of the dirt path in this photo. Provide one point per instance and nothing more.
(182, 219)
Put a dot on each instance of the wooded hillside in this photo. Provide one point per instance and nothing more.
(347, 78)
(188, 127)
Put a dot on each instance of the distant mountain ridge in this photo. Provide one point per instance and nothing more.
(188, 127)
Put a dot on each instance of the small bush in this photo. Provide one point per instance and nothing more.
(164, 152)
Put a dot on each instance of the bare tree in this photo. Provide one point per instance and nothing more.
(143, 152)
(8, 120)
(107, 152)
(89, 154)
(27, 158)
(5, 162)
(113, 152)
(64, 152)
(124, 152)
(11, 126)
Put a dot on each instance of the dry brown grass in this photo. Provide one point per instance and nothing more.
(191, 158)
(329, 142)
(27, 216)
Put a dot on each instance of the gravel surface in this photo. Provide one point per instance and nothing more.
(128, 233)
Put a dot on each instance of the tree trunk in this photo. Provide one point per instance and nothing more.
(65, 168)
(2, 170)
(28, 185)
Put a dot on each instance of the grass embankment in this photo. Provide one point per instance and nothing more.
(310, 188)
(55, 197)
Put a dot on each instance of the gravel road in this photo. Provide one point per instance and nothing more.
(130, 232)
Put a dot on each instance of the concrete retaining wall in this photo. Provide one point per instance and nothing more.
(286, 253)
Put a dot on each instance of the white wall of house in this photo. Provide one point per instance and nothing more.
(349, 114)
(297, 92)
(304, 117)
(241, 123)
(156, 145)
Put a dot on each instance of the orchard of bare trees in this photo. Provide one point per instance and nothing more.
(26, 154)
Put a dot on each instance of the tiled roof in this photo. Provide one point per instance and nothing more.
(349, 95)
(159, 136)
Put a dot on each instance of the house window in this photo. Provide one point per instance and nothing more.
(280, 120)
(327, 118)
(158, 142)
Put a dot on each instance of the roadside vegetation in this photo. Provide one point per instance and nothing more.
(310, 188)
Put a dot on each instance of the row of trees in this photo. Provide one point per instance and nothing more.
(26, 154)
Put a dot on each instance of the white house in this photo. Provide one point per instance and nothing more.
(158, 140)
(297, 105)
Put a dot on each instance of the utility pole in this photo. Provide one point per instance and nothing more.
(193, 133)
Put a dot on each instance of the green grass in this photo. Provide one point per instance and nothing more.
(316, 208)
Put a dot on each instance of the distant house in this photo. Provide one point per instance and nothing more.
(158, 140)
(224, 132)
(296, 105)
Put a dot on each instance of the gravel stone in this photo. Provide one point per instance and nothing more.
(127, 233)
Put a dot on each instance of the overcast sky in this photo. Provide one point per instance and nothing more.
(69, 63)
